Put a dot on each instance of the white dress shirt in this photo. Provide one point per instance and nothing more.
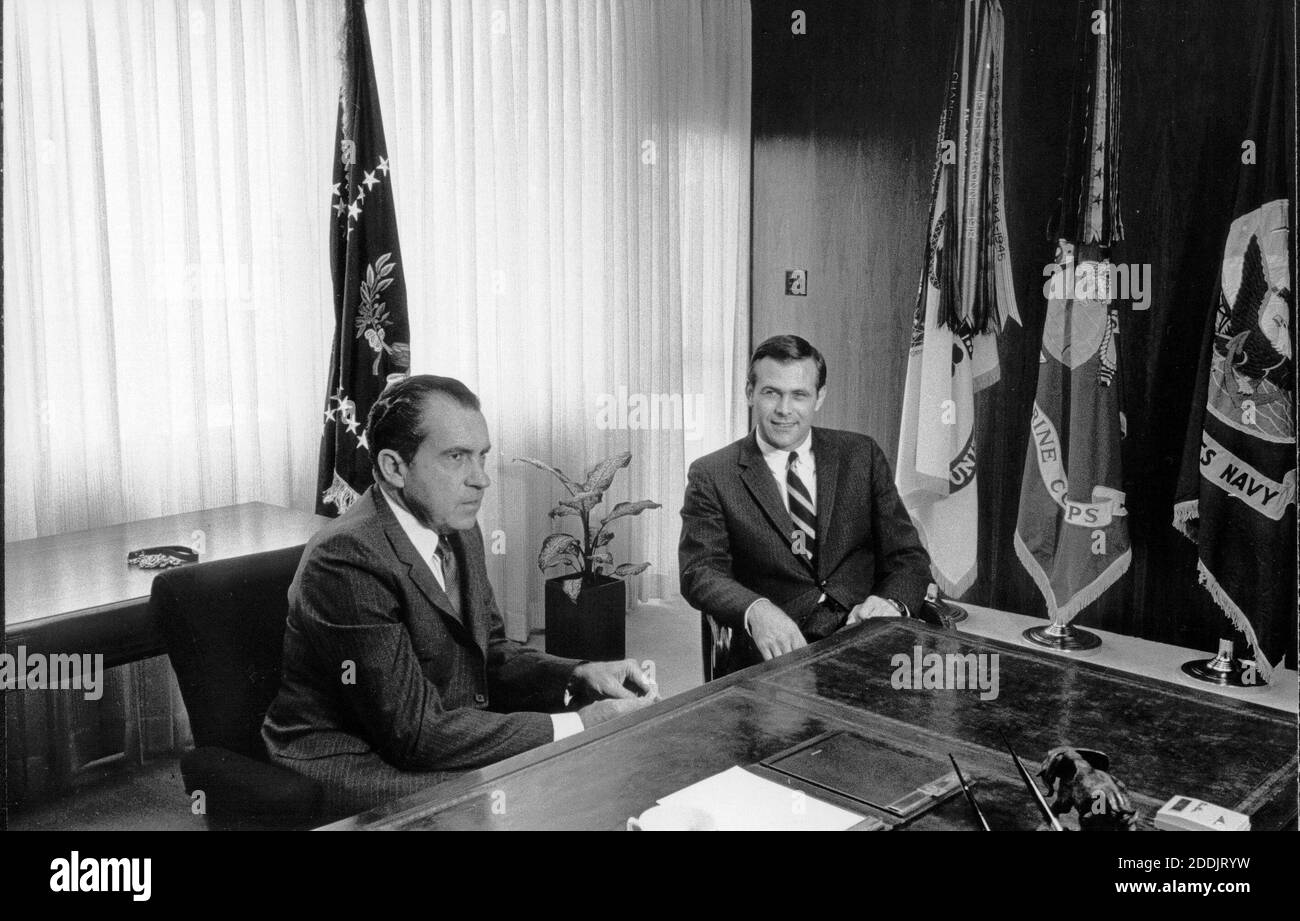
(778, 461)
(426, 544)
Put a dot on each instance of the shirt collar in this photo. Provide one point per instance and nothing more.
(769, 451)
(425, 539)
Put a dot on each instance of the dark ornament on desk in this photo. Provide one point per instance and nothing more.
(162, 557)
(1225, 669)
(938, 610)
(585, 608)
(1081, 781)
(1064, 637)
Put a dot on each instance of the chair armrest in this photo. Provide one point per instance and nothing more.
(244, 792)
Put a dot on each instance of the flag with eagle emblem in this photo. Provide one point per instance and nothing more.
(371, 332)
(1236, 490)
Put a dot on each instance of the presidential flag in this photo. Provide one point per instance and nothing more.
(966, 296)
(371, 333)
(1072, 527)
(1236, 490)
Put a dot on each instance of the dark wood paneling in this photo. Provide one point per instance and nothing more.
(844, 125)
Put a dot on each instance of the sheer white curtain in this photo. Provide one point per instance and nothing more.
(571, 180)
(166, 299)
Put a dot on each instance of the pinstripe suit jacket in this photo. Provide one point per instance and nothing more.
(736, 536)
(432, 690)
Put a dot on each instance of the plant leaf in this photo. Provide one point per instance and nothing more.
(623, 570)
(604, 557)
(572, 588)
(561, 511)
(572, 486)
(555, 548)
(623, 509)
(603, 538)
(601, 475)
(582, 501)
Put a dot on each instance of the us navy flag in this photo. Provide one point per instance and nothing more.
(1236, 490)
(371, 332)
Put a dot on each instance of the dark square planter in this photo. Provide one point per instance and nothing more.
(593, 626)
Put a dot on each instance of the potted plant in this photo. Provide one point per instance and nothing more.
(585, 607)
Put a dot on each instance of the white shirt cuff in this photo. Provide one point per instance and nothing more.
(747, 610)
(566, 724)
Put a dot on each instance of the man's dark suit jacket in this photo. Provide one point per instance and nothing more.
(736, 536)
(433, 689)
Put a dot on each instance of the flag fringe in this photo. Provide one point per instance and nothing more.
(956, 589)
(1184, 514)
(1082, 598)
(340, 494)
(1236, 616)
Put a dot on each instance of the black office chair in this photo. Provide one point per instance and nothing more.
(224, 626)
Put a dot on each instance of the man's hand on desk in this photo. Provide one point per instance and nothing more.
(773, 632)
(624, 679)
(874, 606)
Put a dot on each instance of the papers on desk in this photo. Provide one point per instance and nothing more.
(737, 800)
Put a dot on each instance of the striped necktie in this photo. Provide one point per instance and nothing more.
(802, 509)
(450, 576)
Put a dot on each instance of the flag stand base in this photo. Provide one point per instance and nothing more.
(1226, 672)
(1063, 637)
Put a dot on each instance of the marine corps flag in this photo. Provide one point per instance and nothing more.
(966, 295)
(371, 334)
(1236, 491)
(1072, 529)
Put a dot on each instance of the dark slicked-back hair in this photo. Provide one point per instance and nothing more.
(786, 349)
(396, 420)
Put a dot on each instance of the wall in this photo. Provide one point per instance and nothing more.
(845, 119)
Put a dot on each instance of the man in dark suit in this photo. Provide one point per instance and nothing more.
(793, 531)
(397, 669)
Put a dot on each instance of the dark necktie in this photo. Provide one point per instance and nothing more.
(802, 509)
(450, 575)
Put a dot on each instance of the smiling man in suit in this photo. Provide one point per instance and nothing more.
(794, 531)
(397, 670)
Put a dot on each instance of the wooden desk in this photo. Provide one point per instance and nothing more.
(75, 592)
(1163, 739)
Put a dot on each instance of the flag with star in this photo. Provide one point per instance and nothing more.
(1236, 491)
(371, 332)
(966, 296)
(1072, 528)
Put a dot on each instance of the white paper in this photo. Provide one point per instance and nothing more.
(737, 800)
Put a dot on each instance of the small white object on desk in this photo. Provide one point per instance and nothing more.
(1182, 813)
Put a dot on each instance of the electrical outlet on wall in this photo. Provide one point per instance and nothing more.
(796, 282)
